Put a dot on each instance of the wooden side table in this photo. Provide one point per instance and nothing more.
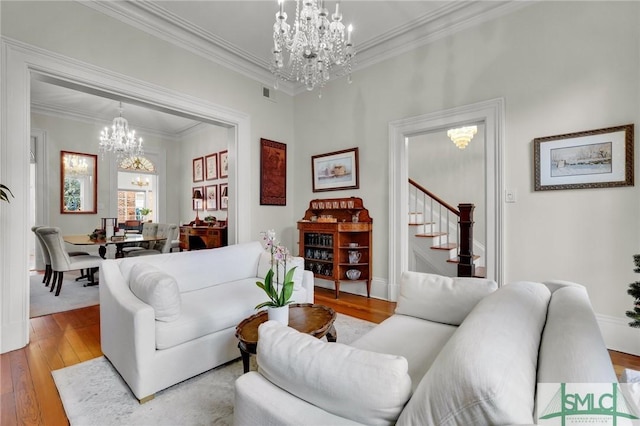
(316, 320)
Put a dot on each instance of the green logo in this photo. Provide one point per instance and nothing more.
(584, 403)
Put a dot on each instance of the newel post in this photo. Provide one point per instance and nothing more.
(466, 267)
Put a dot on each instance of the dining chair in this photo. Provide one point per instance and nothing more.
(149, 229)
(169, 231)
(60, 259)
(47, 258)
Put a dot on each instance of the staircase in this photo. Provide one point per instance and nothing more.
(434, 236)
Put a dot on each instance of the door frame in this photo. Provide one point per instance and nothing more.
(491, 113)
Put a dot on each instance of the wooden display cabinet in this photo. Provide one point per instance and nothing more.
(336, 237)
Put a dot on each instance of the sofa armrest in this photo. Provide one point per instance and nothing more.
(308, 284)
(127, 327)
(258, 401)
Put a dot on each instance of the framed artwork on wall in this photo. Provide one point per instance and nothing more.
(224, 196)
(197, 197)
(273, 173)
(224, 164)
(198, 169)
(211, 166)
(601, 158)
(211, 196)
(335, 170)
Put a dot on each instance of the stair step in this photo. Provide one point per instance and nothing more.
(421, 223)
(431, 234)
(457, 259)
(447, 246)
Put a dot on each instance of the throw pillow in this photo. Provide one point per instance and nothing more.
(366, 387)
(156, 288)
(486, 373)
(441, 299)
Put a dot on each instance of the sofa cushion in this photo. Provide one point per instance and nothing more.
(264, 265)
(156, 288)
(415, 339)
(367, 387)
(441, 299)
(486, 373)
(212, 309)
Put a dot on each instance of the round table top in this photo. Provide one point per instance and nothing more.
(308, 318)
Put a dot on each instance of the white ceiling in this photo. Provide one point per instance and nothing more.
(238, 34)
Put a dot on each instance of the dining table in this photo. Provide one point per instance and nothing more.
(118, 241)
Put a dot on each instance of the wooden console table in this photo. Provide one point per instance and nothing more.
(211, 236)
(336, 241)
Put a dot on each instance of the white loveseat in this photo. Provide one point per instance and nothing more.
(456, 352)
(164, 319)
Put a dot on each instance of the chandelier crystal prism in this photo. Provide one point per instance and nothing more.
(317, 47)
(120, 140)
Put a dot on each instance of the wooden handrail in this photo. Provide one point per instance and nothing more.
(435, 197)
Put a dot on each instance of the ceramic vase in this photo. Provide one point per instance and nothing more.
(280, 314)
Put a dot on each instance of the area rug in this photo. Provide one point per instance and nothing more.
(72, 296)
(93, 393)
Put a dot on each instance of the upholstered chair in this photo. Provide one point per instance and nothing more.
(149, 229)
(47, 259)
(169, 231)
(60, 259)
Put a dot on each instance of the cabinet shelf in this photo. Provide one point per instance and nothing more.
(352, 225)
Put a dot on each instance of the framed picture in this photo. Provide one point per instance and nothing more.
(211, 166)
(600, 158)
(198, 169)
(224, 164)
(197, 196)
(335, 170)
(224, 196)
(273, 173)
(211, 197)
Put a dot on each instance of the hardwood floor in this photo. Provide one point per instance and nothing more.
(29, 395)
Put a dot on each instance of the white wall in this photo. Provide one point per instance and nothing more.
(561, 67)
(206, 139)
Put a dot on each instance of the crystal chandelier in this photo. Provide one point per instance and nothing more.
(121, 141)
(75, 166)
(462, 135)
(315, 45)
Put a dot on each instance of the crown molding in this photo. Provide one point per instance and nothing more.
(161, 23)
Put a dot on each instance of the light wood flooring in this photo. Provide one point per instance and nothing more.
(28, 393)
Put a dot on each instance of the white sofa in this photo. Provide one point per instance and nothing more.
(164, 319)
(456, 352)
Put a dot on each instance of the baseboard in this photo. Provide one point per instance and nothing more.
(378, 287)
(617, 334)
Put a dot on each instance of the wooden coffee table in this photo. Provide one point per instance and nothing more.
(316, 320)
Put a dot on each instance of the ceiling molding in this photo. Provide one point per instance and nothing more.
(156, 21)
(71, 114)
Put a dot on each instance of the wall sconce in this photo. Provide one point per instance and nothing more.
(462, 135)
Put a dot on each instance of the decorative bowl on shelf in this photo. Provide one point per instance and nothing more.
(353, 274)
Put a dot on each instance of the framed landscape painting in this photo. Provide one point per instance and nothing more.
(600, 158)
(335, 170)
(211, 166)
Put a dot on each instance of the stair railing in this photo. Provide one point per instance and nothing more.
(423, 202)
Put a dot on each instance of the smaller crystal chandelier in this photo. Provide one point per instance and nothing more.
(315, 45)
(75, 166)
(462, 135)
(139, 182)
(121, 141)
